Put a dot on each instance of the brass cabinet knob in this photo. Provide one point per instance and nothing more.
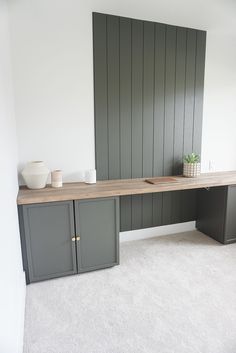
(75, 238)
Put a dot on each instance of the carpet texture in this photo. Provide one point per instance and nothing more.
(171, 294)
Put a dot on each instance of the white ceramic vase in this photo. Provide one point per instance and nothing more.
(35, 175)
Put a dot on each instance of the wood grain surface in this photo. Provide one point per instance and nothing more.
(121, 187)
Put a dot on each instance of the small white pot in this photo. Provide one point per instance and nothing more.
(192, 170)
(56, 178)
(90, 176)
(35, 175)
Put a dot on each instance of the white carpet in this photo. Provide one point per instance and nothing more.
(171, 294)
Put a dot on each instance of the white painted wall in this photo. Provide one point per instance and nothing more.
(53, 76)
(12, 292)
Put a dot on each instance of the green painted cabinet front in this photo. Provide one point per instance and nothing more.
(216, 215)
(97, 225)
(230, 224)
(48, 231)
(64, 238)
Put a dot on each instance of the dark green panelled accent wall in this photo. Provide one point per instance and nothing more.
(148, 97)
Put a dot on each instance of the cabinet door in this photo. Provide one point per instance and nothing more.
(49, 229)
(230, 223)
(97, 225)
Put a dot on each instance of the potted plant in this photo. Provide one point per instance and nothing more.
(192, 166)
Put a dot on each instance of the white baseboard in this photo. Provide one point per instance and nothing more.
(157, 231)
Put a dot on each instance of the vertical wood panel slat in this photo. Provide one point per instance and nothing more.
(159, 116)
(125, 118)
(137, 98)
(125, 213)
(125, 97)
(189, 90)
(147, 212)
(188, 205)
(157, 209)
(176, 206)
(100, 94)
(179, 118)
(167, 208)
(159, 99)
(137, 116)
(148, 105)
(199, 89)
(113, 96)
(188, 198)
(169, 99)
(169, 116)
(148, 96)
(136, 211)
(179, 100)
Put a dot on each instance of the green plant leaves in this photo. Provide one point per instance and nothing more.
(192, 158)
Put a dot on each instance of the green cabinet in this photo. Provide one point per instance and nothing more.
(98, 228)
(48, 230)
(216, 213)
(64, 238)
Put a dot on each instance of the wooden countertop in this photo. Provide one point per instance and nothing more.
(121, 187)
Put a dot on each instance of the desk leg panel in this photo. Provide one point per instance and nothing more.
(211, 208)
